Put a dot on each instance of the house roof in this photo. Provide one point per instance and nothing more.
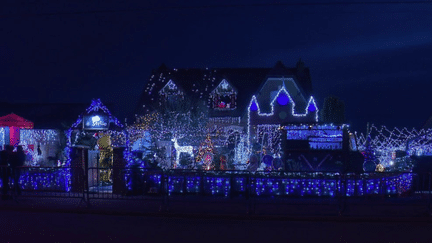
(198, 83)
(97, 107)
(246, 80)
(13, 120)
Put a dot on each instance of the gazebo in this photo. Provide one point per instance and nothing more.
(11, 125)
(96, 144)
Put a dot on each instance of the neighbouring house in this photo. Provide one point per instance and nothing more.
(40, 128)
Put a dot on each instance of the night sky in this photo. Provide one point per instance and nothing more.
(376, 57)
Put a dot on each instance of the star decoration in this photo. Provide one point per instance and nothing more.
(224, 84)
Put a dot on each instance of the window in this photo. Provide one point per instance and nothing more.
(224, 96)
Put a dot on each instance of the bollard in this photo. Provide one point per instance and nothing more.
(251, 206)
(88, 190)
(429, 192)
(342, 194)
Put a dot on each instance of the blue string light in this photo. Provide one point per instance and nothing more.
(40, 179)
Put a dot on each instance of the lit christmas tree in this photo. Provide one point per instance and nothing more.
(241, 152)
(205, 153)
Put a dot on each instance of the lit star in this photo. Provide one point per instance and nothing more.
(224, 84)
(171, 85)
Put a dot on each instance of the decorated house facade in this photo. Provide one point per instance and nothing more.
(247, 111)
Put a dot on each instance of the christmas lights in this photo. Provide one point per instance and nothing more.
(269, 137)
(224, 96)
(224, 135)
(181, 149)
(310, 107)
(97, 105)
(284, 99)
(241, 154)
(294, 184)
(118, 138)
(39, 136)
(43, 179)
(205, 153)
(2, 137)
(29, 138)
(328, 136)
(262, 184)
(386, 142)
(170, 88)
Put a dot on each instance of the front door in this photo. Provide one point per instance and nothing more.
(93, 159)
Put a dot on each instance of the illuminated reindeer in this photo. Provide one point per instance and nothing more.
(181, 149)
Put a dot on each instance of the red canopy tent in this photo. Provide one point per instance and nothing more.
(15, 122)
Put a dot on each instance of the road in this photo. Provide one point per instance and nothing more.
(19, 226)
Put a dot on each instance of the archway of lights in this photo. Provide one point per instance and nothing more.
(92, 125)
(386, 143)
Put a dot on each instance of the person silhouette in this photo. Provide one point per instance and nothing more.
(17, 160)
(5, 156)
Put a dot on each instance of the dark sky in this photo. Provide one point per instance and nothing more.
(376, 57)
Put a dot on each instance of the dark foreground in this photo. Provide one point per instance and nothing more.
(26, 226)
(30, 219)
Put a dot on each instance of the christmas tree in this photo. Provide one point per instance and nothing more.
(241, 152)
(205, 153)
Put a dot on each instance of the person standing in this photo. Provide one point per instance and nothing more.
(5, 170)
(17, 161)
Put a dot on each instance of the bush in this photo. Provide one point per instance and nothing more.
(186, 160)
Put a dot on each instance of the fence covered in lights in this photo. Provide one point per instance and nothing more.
(275, 184)
(231, 183)
(43, 179)
(387, 142)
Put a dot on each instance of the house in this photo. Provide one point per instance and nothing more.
(271, 110)
(226, 92)
(265, 112)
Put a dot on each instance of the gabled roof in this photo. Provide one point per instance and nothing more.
(225, 85)
(246, 81)
(97, 106)
(283, 98)
(171, 86)
(13, 120)
(300, 73)
(198, 83)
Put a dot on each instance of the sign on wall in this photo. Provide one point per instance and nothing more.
(96, 122)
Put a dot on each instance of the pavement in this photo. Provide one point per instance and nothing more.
(39, 218)
(299, 209)
(18, 226)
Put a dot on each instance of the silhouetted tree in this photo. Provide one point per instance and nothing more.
(333, 111)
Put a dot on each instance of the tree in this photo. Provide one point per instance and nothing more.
(175, 117)
(206, 154)
(182, 119)
(186, 161)
(241, 151)
(333, 111)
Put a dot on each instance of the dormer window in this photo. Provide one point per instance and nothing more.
(170, 88)
(224, 96)
(171, 92)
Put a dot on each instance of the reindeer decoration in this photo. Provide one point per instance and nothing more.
(181, 149)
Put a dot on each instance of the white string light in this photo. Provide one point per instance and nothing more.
(254, 107)
(386, 142)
